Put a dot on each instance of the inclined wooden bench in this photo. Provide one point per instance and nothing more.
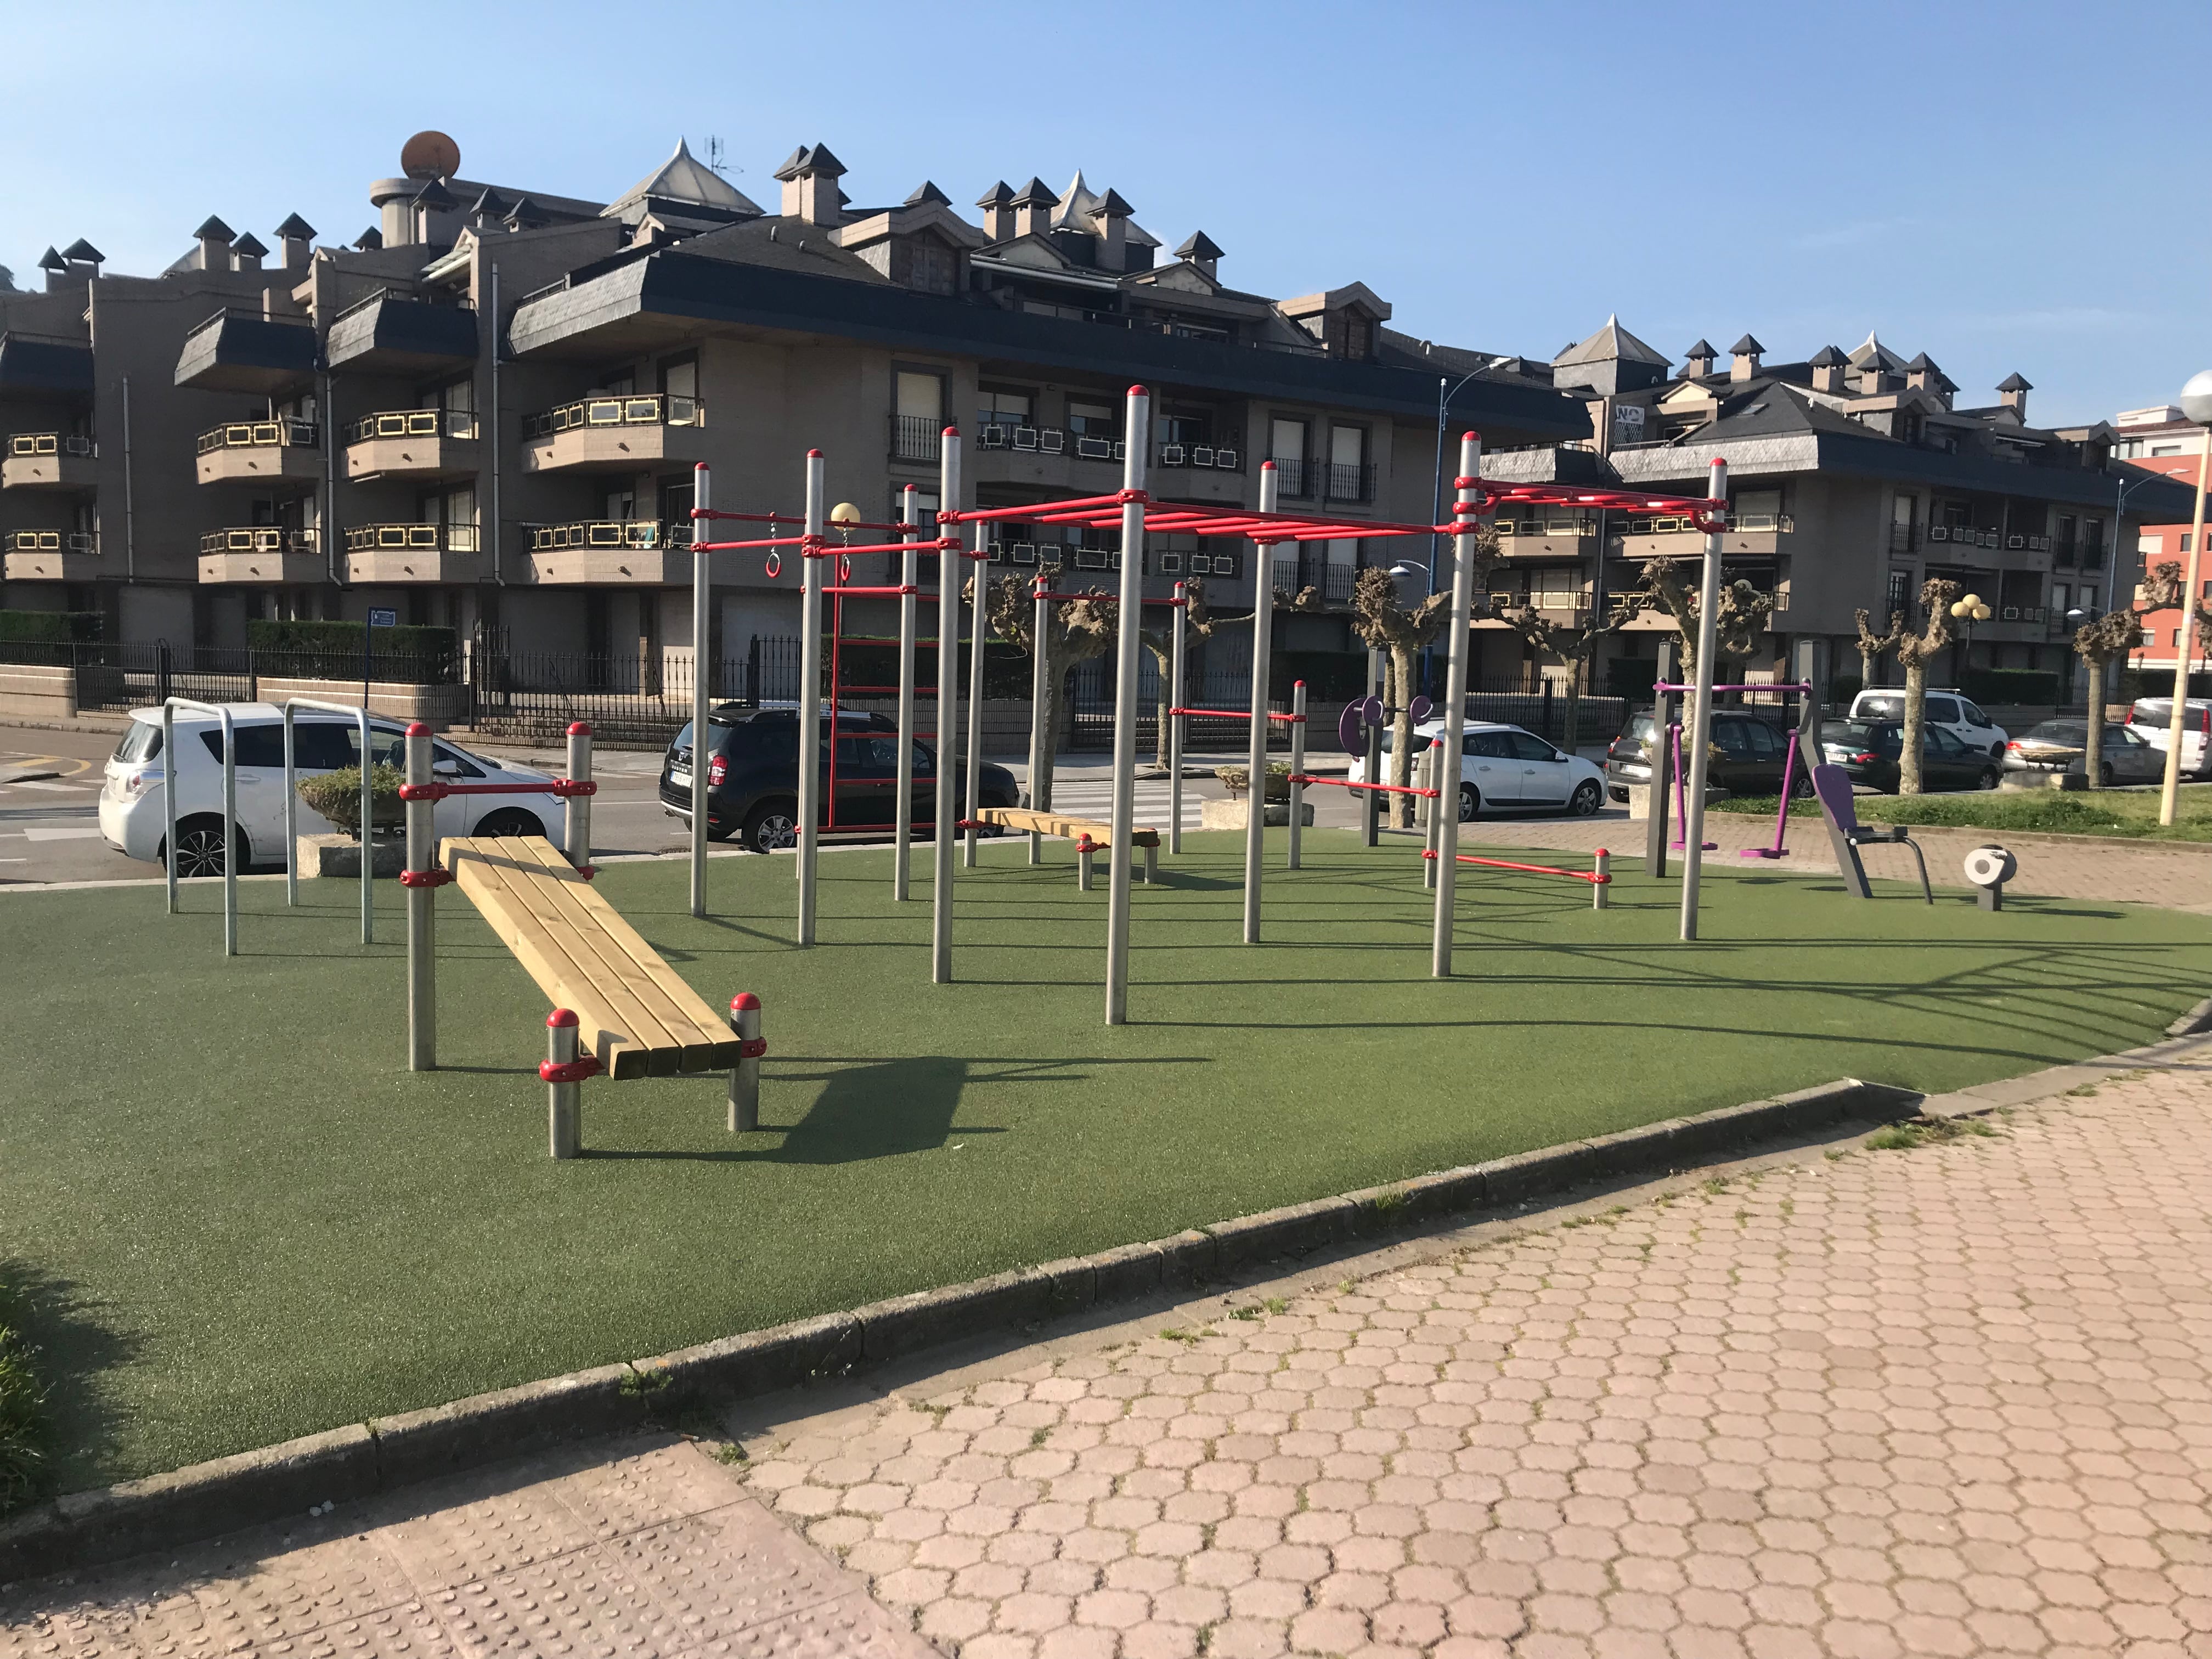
(1089, 835)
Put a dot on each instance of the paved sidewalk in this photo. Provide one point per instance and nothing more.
(1951, 1400)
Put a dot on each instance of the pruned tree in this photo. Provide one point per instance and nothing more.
(1571, 643)
(1742, 616)
(1081, 629)
(1387, 624)
(1872, 646)
(2108, 639)
(1916, 652)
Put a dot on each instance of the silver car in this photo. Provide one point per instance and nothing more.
(2062, 746)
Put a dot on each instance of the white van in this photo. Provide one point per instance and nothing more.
(2152, 720)
(1944, 706)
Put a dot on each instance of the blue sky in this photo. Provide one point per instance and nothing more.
(2001, 185)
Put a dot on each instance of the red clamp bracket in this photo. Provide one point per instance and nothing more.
(752, 1048)
(1125, 496)
(1712, 520)
(566, 788)
(573, 1071)
(587, 870)
(424, 791)
(425, 878)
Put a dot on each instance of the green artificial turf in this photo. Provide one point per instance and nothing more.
(2122, 814)
(253, 1222)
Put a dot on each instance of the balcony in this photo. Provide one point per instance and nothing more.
(262, 555)
(384, 553)
(614, 552)
(413, 443)
(1903, 538)
(1046, 457)
(394, 333)
(917, 438)
(49, 556)
(1767, 535)
(1199, 457)
(1332, 581)
(1542, 535)
(245, 351)
(257, 452)
(1567, 605)
(45, 365)
(49, 461)
(1341, 481)
(615, 433)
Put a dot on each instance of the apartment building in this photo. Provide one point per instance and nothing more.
(485, 411)
(1854, 476)
(2160, 441)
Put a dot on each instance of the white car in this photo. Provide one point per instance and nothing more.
(2151, 719)
(1504, 767)
(133, 816)
(1945, 706)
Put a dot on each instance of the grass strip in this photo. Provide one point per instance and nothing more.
(25, 1467)
(2118, 814)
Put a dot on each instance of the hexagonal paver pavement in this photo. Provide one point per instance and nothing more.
(1950, 1400)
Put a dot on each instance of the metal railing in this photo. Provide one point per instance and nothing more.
(607, 532)
(1199, 455)
(1294, 477)
(245, 313)
(49, 541)
(1574, 525)
(916, 437)
(1903, 538)
(286, 432)
(623, 409)
(1334, 582)
(34, 444)
(411, 539)
(1341, 481)
(628, 697)
(260, 539)
(412, 423)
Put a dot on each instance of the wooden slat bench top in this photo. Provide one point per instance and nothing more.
(1027, 821)
(633, 1010)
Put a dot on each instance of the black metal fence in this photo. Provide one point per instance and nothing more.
(115, 676)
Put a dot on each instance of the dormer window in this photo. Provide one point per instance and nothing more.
(1358, 336)
(931, 267)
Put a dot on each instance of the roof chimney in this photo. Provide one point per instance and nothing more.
(1698, 360)
(296, 237)
(2012, 392)
(55, 267)
(84, 259)
(247, 250)
(810, 180)
(1111, 216)
(1828, 365)
(370, 240)
(214, 239)
(998, 205)
(1033, 209)
(434, 208)
(1200, 251)
(1743, 358)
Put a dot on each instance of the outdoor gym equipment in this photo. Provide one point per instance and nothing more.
(1807, 737)
(1989, 868)
(359, 716)
(172, 774)
(1832, 787)
(1599, 875)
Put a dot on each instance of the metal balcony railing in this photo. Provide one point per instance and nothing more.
(411, 539)
(51, 541)
(1333, 581)
(1294, 477)
(916, 437)
(1344, 482)
(259, 538)
(607, 532)
(412, 423)
(32, 444)
(1199, 455)
(1903, 538)
(647, 409)
(1571, 524)
(287, 432)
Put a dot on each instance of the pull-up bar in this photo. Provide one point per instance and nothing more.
(1239, 715)
(1805, 686)
(1374, 788)
(1109, 598)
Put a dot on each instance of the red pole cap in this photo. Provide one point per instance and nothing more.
(1299, 683)
(743, 1002)
(698, 466)
(1464, 436)
(417, 729)
(580, 729)
(1139, 391)
(950, 432)
(1602, 853)
(560, 1019)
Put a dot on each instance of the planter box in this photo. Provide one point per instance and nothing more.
(1236, 814)
(340, 855)
(28, 691)
(439, 706)
(2068, 782)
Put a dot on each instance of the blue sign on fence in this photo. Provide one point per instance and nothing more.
(381, 618)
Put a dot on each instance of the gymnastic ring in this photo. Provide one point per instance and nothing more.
(775, 564)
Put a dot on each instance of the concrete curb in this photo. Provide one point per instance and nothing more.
(226, 1494)
(2197, 1019)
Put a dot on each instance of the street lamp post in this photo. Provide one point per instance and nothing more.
(1968, 611)
(2196, 404)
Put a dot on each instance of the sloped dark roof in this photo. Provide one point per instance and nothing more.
(2015, 382)
(295, 226)
(369, 240)
(1198, 245)
(1111, 206)
(215, 227)
(80, 249)
(249, 245)
(1746, 345)
(491, 204)
(51, 260)
(434, 194)
(1036, 193)
(1702, 348)
(998, 194)
(1826, 357)
(928, 194)
(1921, 364)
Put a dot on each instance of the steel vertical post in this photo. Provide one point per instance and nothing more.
(564, 1100)
(948, 705)
(233, 843)
(1137, 434)
(1701, 711)
(1371, 804)
(169, 797)
(1661, 784)
(1453, 737)
(1178, 645)
(421, 912)
(576, 828)
(1298, 769)
(1256, 743)
(902, 832)
(1601, 868)
(810, 696)
(702, 756)
(979, 629)
(745, 1075)
(1041, 741)
(1432, 777)
(2169, 790)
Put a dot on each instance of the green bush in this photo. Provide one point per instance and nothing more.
(50, 627)
(331, 651)
(2029, 686)
(337, 796)
(24, 1473)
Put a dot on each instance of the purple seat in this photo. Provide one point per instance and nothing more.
(1831, 788)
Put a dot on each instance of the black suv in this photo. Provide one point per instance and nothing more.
(752, 778)
(1753, 751)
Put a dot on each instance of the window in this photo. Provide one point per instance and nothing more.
(1358, 336)
(2177, 646)
(1286, 439)
(1090, 420)
(1767, 744)
(455, 395)
(999, 405)
(929, 265)
(321, 745)
(1529, 747)
(1902, 509)
(1942, 709)
(1758, 510)
(1974, 716)
(1901, 590)
(2165, 449)
(1491, 746)
(2058, 596)
(921, 397)
(1187, 427)
(679, 376)
(925, 508)
(2186, 535)
(1347, 446)
(257, 745)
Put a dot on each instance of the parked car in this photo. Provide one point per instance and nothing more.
(2063, 746)
(1869, 750)
(1505, 768)
(1754, 753)
(134, 815)
(2152, 718)
(1945, 706)
(752, 777)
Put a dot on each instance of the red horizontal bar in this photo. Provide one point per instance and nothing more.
(1108, 598)
(1239, 715)
(746, 518)
(823, 549)
(731, 547)
(440, 789)
(872, 590)
(1589, 876)
(1376, 788)
(993, 515)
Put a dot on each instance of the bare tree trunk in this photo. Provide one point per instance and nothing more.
(2092, 758)
(1574, 701)
(1047, 717)
(1163, 662)
(1916, 726)
(1400, 680)
(1866, 672)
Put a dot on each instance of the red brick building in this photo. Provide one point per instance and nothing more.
(2158, 440)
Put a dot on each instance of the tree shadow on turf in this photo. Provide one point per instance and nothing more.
(72, 1344)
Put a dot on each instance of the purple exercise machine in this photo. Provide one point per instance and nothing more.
(1808, 731)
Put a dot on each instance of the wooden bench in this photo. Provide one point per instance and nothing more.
(633, 1013)
(1089, 835)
